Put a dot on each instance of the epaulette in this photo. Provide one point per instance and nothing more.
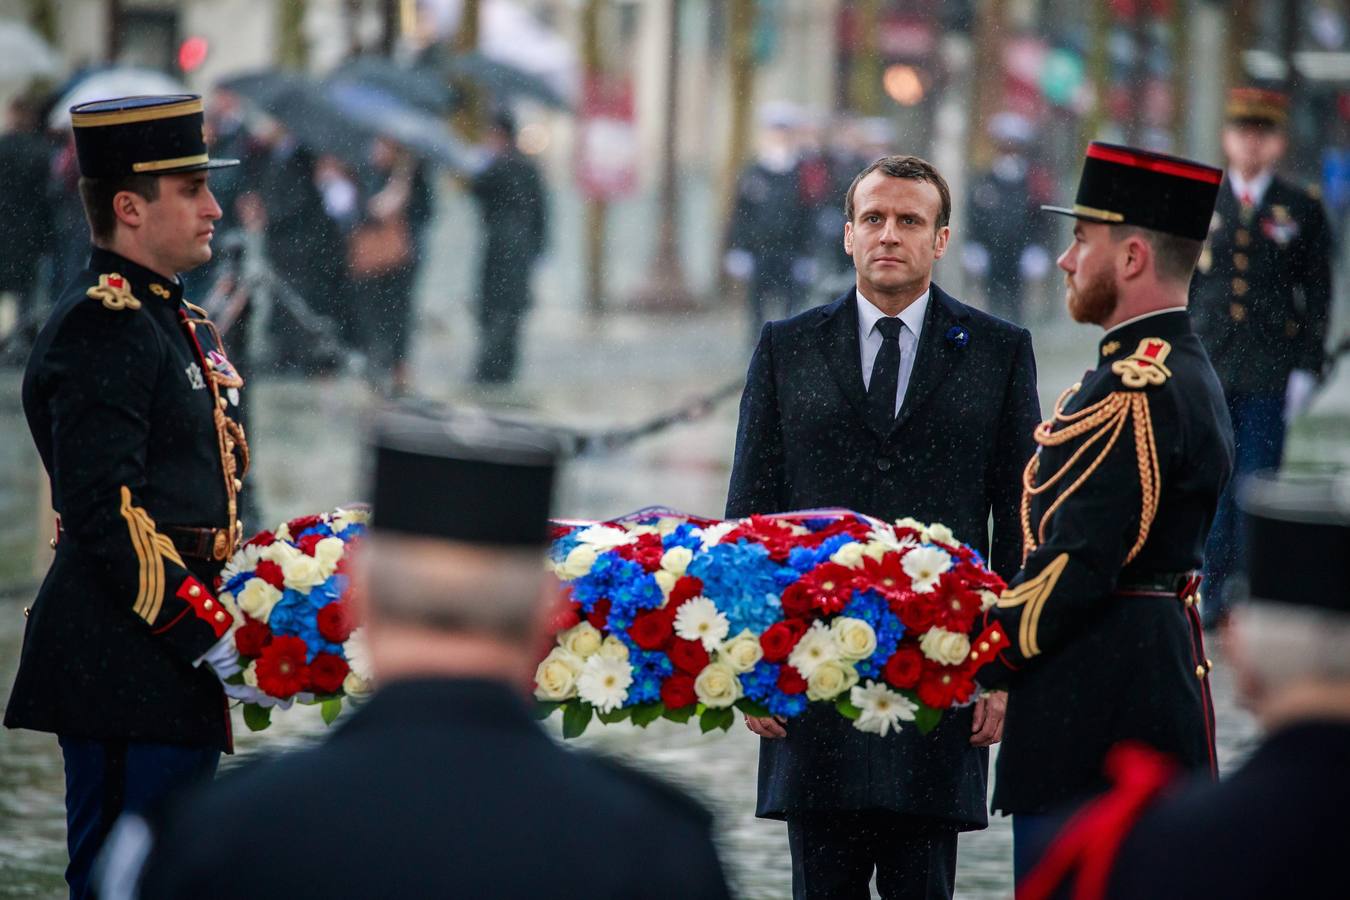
(114, 292)
(1146, 365)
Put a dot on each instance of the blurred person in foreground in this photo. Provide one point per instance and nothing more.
(1101, 638)
(25, 215)
(134, 409)
(441, 785)
(1276, 827)
(1261, 298)
(514, 207)
(894, 400)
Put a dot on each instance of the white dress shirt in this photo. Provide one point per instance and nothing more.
(1255, 189)
(870, 339)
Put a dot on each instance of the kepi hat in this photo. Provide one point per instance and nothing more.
(1298, 540)
(1128, 186)
(1256, 106)
(151, 135)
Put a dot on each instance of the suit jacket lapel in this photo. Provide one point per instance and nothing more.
(838, 338)
(936, 354)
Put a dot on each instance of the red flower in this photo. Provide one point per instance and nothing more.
(281, 668)
(564, 616)
(557, 531)
(904, 667)
(688, 656)
(790, 681)
(650, 630)
(295, 526)
(943, 686)
(252, 637)
(854, 528)
(919, 612)
(261, 539)
(780, 637)
(677, 691)
(775, 536)
(957, 606)
(335, 622)
(886, 577)
(830, 587)
(309, 542)
(599, 614)
(270, 572)
(647, 551)
(327, 672)
(976, 578)
(686, 587)
(796, 602)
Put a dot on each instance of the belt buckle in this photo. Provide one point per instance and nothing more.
(220, 544)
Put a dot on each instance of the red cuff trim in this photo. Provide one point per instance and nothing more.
(207, 607)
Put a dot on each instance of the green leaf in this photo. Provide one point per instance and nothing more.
(576, 716)
(257, 717)
(681, 715)
(647, 713)
(330, 709)
(716, 718)
(927, 718)
(846, 708)
(751, 708)
(615, 715)
(544, 708)
(236, 678)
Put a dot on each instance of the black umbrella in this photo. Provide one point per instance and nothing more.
(385, 114)
(500, 79)
(299, 104)
(424, 89)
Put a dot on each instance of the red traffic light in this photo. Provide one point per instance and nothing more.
(192, 53)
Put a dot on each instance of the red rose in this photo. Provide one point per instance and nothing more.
(688, 656)
(646, 551)
(650, 630)
(790, 681)
(281, 667)
(686, 588)
(780, 637)
(796, 602)
(564, 616)
(295, 526)
(335, 622)
(677, 691)
(599, 614)
(309, 542)
(252, 637)
(270, 572)
(904, 667)
(261, 539)
(919, 612)
(327, 672)
(943, 686)
(830, 587)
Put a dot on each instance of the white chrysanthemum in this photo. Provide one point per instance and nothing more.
(817, 646)
(742, 652)
(345, 518)
(604, 537)
(603, 683)
(717, 686)
(700, 620)
(282, 534)
(849, 555)
(358, 655)
(676, 560)
(244, 560)
(856, 639)
(640, 530)
(713, 534)
(883, 539)
(987, 599)
(937, 533)
(924, 566)
(257, 598)
(909, 522)
(556, 677)
(882, 708)
(946, 647)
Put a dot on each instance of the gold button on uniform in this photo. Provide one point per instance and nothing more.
(1240, 286)
(1237, 312)
(1240, 261)
(207, 604)
(1209, 665)
(52, 543)
(1242, 237)
(1199, 671)
(238, 484)
(220, 617)
(194, 591)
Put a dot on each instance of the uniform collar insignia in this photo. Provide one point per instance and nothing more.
(1110, 347)
(1145, 365)
(113, 291)
(160, 290)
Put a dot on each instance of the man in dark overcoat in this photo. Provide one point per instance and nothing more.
(895, 400)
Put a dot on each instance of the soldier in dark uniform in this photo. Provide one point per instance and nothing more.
(1101, 639)
(441, 785)
(1260, 300)
(1276, 827)
(132, 403)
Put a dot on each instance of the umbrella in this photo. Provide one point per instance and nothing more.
(422, 88)
(385, 114)
(504, 80)
(109, 84)
(24, 55)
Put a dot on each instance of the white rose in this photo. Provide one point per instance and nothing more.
(666, 582)
(855, 638)
(850, 555)
(640, 530)
(830, 679)
(231, 606)
(987, 599)
(345, 518)
(613, 648)
(937, 533)
(556, 677)
(908, 522)
(355, 686)
(742, 652)
(667, 525)
(279, 551)
(875, 550)
(257, 598)
(717, 686)
(329, 553)
(578, 562)
(282, 534)
(947, 647)
(302, 572)
(583, 640)
(676, 560)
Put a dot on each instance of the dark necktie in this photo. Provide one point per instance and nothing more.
(885, 377)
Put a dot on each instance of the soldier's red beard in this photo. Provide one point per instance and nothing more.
(1096, 302)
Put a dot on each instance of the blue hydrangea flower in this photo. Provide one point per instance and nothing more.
(761, 682)
(787, 705)
(650, 668)
(295, 615)
(682, 536)
(742, 580)
(873, 609)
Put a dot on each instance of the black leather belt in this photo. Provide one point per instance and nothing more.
(210, 544)
(1181, 585)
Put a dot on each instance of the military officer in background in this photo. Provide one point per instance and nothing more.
(441, 785)
(131, 402)
(1276, 827)
(1100, 636)
(1260, 300)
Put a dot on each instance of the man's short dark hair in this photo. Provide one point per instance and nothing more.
(911, 167)
(1174, 257)
(97, 196)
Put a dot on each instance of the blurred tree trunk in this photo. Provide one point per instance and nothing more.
(990, 21)
(597, 209)
(741, 61)
(1098, 72)
(292, 53)
(1240, 27)
(114, 21)
(469, 114)
(1138, 88)
(1181, 47)
(43, 17)
(865, 94)
(665, 289)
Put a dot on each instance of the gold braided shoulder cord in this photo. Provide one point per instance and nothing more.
(1103, 419)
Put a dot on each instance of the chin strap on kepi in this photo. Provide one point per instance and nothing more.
(1089, 841)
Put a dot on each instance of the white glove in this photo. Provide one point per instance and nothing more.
(223, 658)
(974, 259)
(739, 264)
(1035, 263)
(1298, 393)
